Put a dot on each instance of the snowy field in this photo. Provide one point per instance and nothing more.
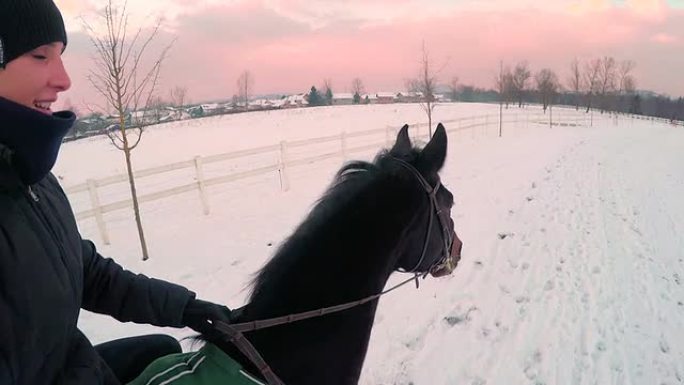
(573, 256)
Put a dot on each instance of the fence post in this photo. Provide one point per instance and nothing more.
(282, 171)
(472, 129)
(200, 185)
(343, 145)
(95, 202)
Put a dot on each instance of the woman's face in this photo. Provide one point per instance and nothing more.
(35, 78)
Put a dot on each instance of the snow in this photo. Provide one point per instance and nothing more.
(573, 256)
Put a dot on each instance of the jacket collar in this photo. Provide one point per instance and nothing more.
(30, 140)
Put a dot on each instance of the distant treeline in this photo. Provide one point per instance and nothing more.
(641, 103)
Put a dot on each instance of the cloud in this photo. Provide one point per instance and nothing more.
(237, 23)
(664, 38)
(288, 47)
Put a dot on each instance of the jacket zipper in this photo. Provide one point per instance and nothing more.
(35, 200)
(33, 195)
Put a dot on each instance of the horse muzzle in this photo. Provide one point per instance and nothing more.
(448, 264)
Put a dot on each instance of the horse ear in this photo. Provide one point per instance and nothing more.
(434, 153)
(403, 143)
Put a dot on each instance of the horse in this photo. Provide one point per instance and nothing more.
(376, 218)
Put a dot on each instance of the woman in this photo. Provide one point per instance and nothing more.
(47, 271)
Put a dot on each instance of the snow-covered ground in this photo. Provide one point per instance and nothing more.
(573, 256)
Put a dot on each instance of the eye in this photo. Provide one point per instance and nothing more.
(39, 57)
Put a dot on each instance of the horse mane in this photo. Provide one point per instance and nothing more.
(351, 180)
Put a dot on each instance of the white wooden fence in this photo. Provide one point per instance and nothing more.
(284, 159)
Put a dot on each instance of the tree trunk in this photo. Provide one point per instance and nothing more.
(501, 117)
(588, 103)
(136, 207)
(134, 195)
(429, 120)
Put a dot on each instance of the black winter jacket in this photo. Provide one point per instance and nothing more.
(48, 273)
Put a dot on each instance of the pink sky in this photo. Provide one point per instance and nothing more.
(290, 45)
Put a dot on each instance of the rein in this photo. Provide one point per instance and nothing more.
(233, 332)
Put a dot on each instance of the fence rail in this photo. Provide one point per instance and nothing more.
(283, 160)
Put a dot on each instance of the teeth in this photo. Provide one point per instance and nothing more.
(44, 106)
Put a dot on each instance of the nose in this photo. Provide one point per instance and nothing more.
(59, 78)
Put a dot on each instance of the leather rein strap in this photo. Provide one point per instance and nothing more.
(233, 333)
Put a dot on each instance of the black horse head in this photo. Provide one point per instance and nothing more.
(376, 218)
(441, 247)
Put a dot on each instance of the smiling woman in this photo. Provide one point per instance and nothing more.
(47, 271)
(35, 78)
(31, 69)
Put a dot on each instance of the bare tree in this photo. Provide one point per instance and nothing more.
(504, 85)
(575, 81)
(357, 90)
(119, 76)
(178, 96)
(245, 84)
(626, 81)
(155, 110)
(607, 75)
(454, 88)
(357, 86)
(411, 85)
(629, 85)
(547, 86)
(625, 86)
(521, 75)
(327, 91)
(426, 83)
(591, 80)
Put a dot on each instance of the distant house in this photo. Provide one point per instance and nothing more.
(210, 108)
(441, 98)
(267, 104)
(294, 101)
(278, 103)
(408, 97)
(342, 99)
(385, 97)
(207, 109)
(175, 113)
(369, 98)
(413, 97)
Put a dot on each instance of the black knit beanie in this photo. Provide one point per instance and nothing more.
(26, 25)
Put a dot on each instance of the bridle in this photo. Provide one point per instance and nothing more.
(233, 333)
(447, 237)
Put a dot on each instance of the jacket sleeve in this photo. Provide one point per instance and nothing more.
(109, 289)
(84, 365)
